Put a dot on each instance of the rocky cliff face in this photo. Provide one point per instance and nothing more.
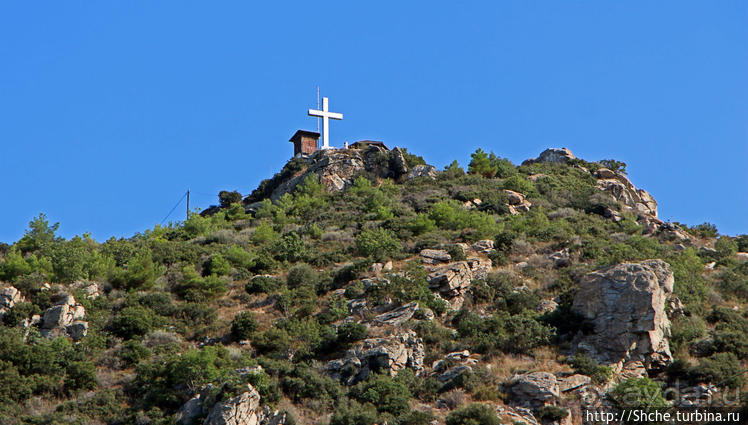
(626, 305)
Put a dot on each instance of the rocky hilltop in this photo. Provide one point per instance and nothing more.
(364, 286)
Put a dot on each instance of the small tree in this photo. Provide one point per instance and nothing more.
(243, 325)
(379, 243)
(226, 198)
(481, 164)
(613, 165)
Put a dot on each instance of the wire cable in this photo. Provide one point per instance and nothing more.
(175, 207)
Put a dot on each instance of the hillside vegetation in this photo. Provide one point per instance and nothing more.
(402, 295)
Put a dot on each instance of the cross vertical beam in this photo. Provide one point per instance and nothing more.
(326, 115)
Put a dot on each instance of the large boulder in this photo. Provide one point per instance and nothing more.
(625, 304)
(397, 316)
(240, 410)
(535, 388)
(428, 171)
(391, 354)
(64, 318)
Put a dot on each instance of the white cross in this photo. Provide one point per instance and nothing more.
(326, 115)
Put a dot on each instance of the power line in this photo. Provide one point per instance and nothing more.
(175, 207)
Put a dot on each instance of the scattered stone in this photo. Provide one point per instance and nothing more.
(626, 305)
(458, 355)
(435, 256)
(387, 266)
(424, 313)
(90, 288)
(428, 171)
(439, 366)
(376, 268)
(561, 258)
(358, 306)
(397, 316)
(710, 266)
(63, 318)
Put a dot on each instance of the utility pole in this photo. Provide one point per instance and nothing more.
(188, 203)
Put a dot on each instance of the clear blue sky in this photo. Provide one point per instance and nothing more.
(109, 111)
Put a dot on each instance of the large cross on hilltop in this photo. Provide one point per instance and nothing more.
(325, 115)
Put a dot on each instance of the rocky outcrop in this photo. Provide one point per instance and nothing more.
(428, 171)
(389, 355)
(64, 318)
(240, 410)
(625, 304)
(516, 202)
(336, 170)
(621, 189)
(452, 280)
(557, 155)
(9, 297)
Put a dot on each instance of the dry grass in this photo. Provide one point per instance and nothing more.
(540, 359)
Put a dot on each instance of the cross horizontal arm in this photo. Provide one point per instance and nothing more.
(323, 114)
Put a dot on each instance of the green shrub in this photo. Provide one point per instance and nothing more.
(195, 288)
(132, 352)
(552, 413)
(387, 394)
(140, 273)
(378, 244)
(302, 275)
(726, 247)
(686, 329)
(519, 184)
(80, 375)
(243, 325)
(720, 369)
(473, 414)
(219, 266)
(638, 393)
(352, 332)
(134, 321)
(263, 284)
(588, 366)
(353, 413)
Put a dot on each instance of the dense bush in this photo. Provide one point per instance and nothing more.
(387, 394)
(473, 414)
(638, 393)
(378, 244)
(243, 325)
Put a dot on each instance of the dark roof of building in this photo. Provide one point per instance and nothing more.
(362, 143)
(300, 133)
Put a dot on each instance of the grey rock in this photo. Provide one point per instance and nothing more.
(358, 306)
(573, 382)
(9, 297)
(562, 155)
(77, 330)
(483, 246)
(57, 316)
(240, 410)
(535, 388)
(626, 305)
(428, 171)
(397, 316)
(453, 373)
(434, 256)
(390, 355)
(621, 189)
(458, 355)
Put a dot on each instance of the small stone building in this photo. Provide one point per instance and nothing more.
(304, 142)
